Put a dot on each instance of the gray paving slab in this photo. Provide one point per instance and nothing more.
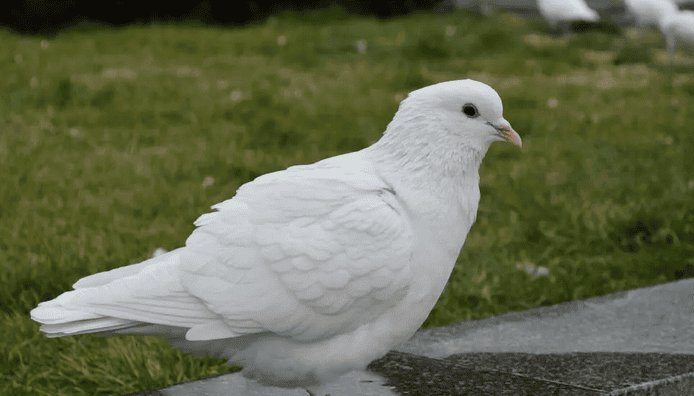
(653, 319)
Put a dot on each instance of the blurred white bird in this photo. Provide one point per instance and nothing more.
(312, 272)
(158, 252)
(560, 13)
(650, 12)
(678, 29)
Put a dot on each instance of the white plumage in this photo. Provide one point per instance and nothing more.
(563, 11)
(314, 271)
(650, 12)
(678, 29)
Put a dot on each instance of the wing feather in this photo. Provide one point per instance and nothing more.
(105, 277)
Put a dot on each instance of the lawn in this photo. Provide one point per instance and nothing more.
(113, 141)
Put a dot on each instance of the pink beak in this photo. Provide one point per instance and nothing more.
(504, 131)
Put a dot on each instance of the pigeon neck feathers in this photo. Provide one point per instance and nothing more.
(432, 140)
(420, 147)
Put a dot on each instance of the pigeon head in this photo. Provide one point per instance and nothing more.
(447, 126)
(467, 109)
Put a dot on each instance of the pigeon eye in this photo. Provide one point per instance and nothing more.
(470, 110)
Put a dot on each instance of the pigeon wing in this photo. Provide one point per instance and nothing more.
(306, 253)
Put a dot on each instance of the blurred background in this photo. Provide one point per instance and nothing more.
(122, 122)
(49, 16)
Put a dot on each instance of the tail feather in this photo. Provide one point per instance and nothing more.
(57, 321)
(51, 313)
(90, 326)
(143, 298)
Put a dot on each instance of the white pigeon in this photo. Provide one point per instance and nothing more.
(561, 12)
(313, 272)
(650, 12)
(678, 29)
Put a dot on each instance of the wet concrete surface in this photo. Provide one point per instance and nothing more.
(537, 374)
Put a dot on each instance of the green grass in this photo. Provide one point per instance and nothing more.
(113, 141)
